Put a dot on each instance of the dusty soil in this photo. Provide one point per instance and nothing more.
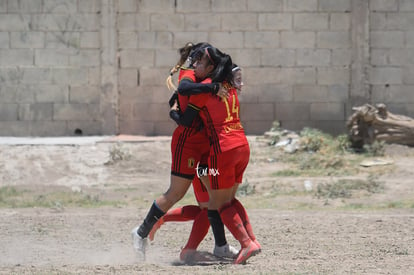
(300, 233)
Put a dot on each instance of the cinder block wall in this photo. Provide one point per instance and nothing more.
(99, 66)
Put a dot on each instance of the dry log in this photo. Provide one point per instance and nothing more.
(375, 123)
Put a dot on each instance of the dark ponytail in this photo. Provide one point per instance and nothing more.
(223, 65)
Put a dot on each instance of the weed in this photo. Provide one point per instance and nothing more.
(344, 188)
(246, 189)
(377, 148)
(117, 153)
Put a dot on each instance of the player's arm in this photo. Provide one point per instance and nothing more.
(186, 118)
(187, 87)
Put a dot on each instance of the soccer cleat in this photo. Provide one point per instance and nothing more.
(258, 245)
(225, 251)
(139, 243)
(154, 229)
(187, 255)
(247, 252)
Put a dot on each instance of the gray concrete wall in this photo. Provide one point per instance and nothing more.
(99, 66)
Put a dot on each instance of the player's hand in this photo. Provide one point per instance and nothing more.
(175, 106)
(222, 92)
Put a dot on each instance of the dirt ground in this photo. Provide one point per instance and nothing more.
(300, 232)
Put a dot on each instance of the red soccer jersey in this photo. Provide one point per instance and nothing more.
(221, 119)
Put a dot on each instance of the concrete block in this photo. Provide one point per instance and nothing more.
(17, 94)
(228, 6)
(409, 39)
(241, 22)
(15, 22)
(310, 93)
(406, 5)
(278, 57)
(66, 22)
(128, 77)
(383, 5)
(76, 111)
(246, 57)
(137, 127)
(297, 39)
(90, 40)
(401, 93)
(227, 39)
(28, 40)
(8, 112)
(24, 6)
(32, 128)
(262, 76)
(270, 93)
(400, 21)
(127, 6)
(86, 58)
(380, 57)
(311, 21)
(378, 21)
(3, 6)
(313, 57)
(84, 94)
(51, 93)
(152, 111)
(294, 125)
(204, 22)
(167, 22)
(35, 111)
(275, 21)
(166, 57)
(334, 40)
(341, 57)
(152, 76)
(87, 127)
(340, 21)
(51, 57)
(66, 42)
(60, 6)
(292, 111)
(4, 40)
(181, 38)
(264, 5)
(333, 127)
(401, 56)
(327, 111)
(33, 76)
(338, 93)
(155, 40)
(333, 76)
(135, 59)
(72, 76)
(385, 75)
(94, 76)
(258, 111)
(156, 6)
(261, 39)
(19, 57)
(337, 5)
(256, 127)
(408, 74)
(89, 6)
(300, 5)
(164, 128)
(387, 39)
(189, 6)
(298, 75)
(128, 40)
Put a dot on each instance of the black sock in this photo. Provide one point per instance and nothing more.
(154, 214)
(217, 226)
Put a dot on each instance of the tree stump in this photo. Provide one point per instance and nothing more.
(375, 123)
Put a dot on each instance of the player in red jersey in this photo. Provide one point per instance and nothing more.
(181, 213)
(229, 153)
(188, 146)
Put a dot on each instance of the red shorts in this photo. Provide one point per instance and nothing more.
(200, 190)
(226, 169)
(188, 148)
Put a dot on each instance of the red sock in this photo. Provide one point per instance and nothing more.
(244, 217)
(234, 223)
(182, 214)
(199, 230)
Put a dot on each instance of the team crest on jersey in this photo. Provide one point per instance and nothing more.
(191, 163)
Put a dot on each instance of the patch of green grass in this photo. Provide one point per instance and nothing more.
(10, 197)
(345, 188)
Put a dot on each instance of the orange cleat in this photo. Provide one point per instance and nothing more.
(247, 252)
